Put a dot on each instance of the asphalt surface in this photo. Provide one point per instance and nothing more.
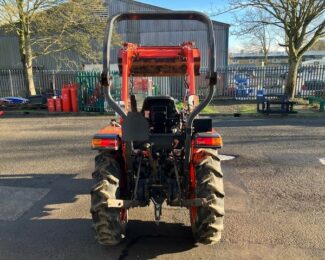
(275, 194)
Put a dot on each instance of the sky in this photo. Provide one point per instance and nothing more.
(235, 45)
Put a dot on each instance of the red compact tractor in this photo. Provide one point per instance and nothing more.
(158, 154)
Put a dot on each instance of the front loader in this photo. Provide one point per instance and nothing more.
(158, 153)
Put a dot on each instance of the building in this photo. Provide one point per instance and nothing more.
(145, 33)
(140, 32)
(274, 58)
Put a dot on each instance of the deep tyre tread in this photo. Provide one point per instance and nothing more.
(208, 226)
(106, 221)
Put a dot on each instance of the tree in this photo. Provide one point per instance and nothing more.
(261, 40)
(258, 36)
(53, 27)
(302, 22)
(319, 46)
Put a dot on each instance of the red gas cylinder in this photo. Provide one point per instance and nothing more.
(58, 104)
(74, 97)
(66, 102)
(50, 105)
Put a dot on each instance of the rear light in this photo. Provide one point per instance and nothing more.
(110, 142)
(208, 140)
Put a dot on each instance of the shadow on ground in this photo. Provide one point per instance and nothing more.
(63, 188)
(59, 226)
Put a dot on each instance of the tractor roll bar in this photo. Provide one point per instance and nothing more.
(170, 15)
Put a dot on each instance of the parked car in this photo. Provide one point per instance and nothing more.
(313, 87)
(314, 84)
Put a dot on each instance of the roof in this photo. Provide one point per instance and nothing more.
(145, 5)
(275, 54)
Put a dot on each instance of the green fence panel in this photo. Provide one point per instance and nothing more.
(91, 98)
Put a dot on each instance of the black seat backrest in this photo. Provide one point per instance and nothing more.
(161, 113)
(150, 103)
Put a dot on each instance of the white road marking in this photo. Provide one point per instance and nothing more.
(224, 157)
(322, 160)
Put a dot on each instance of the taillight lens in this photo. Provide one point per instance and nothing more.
(212, 140)
(105, 143)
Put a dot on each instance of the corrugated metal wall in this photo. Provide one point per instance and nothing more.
(9, 54)
(168, 32)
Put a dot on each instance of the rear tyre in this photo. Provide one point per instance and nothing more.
(109, 227)
(208, 224)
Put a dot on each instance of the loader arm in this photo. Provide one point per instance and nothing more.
(171, 15)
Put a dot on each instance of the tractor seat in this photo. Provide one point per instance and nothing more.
(161, 113)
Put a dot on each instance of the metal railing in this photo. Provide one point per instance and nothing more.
(245, 82)
(12, 81)
(235, 82)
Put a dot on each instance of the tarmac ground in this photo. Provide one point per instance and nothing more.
(275, 195)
